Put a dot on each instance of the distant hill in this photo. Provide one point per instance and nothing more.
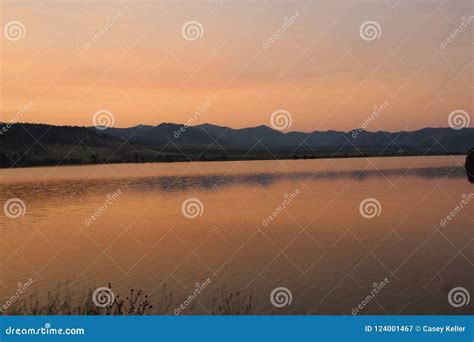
(33, 135)
(39, 144)
(439, 138)
(162, 134)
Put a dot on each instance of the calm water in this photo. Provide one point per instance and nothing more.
(317, 244)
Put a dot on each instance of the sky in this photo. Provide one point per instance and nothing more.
(238, 62)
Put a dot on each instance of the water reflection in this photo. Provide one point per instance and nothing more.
(143, 239)
(209, 182)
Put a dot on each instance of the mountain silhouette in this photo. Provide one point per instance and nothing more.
(437, 138)
(29, 144)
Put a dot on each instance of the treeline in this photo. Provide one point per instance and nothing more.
(28, 134)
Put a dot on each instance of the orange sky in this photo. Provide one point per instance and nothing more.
(319, 69)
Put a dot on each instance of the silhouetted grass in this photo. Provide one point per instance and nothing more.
(61, 302)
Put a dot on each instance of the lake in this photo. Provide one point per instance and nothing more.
(283, 237)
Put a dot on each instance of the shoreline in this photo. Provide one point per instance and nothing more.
(217, 159)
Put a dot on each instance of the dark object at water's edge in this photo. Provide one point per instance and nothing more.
(470, 165)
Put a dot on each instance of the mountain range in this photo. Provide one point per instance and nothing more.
(27, 144)
(206, 134)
